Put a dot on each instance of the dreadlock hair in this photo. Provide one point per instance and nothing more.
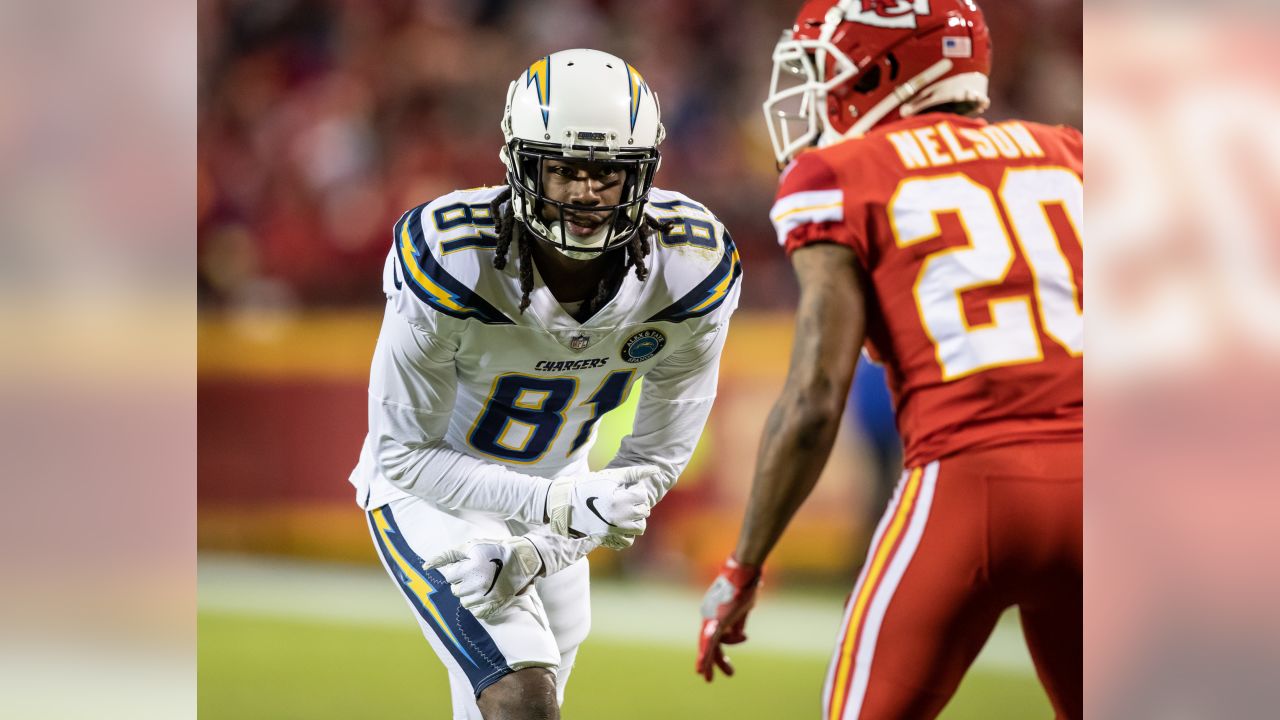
(510, 230)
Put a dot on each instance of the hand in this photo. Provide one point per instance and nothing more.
(612, 504)
(724, 615)
(655, 485)
(487, 575)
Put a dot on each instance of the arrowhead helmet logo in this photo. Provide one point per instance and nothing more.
(887, 13)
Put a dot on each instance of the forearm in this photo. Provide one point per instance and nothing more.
(457, 481)
(830, 327)
(797, 440)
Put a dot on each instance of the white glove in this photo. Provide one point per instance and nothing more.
(655, 486)
(608, 503)
(618, 542)
(487, 575)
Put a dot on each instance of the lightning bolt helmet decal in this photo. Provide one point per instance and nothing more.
(638, 89)
(539, 76)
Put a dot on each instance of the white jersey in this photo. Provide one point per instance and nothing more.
(472, 403)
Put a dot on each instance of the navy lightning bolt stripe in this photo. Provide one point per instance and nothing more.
(428, 592)
(431, 282)
(708, 294)
(673, 205)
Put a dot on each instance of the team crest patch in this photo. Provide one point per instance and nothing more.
(643, 345)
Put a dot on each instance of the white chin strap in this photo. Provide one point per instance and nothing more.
(557, 237)
(963, 88)
(924, 91)
(900, 95)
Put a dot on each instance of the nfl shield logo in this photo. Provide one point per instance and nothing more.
(579, 342)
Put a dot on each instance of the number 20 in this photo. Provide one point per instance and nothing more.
(1011, 337)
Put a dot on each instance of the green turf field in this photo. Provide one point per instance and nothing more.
(263, 663)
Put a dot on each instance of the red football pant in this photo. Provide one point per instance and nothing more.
(963, 539)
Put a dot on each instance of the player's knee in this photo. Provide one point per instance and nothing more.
(528, 694)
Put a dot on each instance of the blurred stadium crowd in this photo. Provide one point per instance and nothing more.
(320, 121)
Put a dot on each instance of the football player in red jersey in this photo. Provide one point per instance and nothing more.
(950, 249)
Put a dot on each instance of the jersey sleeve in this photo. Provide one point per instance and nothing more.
(412, 388)
(1073, 139)
(704, 281)
(424, 280)
(810, 206)
(675, 400)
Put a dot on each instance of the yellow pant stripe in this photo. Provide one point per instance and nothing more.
(874, 572)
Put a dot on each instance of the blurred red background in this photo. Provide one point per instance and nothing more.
(320, 122)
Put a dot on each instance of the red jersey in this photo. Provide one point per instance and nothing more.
(969, 233)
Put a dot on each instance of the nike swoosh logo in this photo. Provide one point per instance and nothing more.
(395, 275)
(591, 505)
(496, 573)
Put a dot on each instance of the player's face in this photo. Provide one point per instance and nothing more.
(585, 184)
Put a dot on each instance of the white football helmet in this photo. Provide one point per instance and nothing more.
(581, 105)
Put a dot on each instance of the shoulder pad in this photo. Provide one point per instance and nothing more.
(687, 225)
(808, 192)
(695, 256)
(427, 239)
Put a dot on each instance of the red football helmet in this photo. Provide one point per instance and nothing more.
(849, 65)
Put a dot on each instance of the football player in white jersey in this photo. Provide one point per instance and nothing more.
(517, 316)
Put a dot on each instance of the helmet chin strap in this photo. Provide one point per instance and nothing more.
(554, 233)
(900, 95)
(560, 240)
(966, 87)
